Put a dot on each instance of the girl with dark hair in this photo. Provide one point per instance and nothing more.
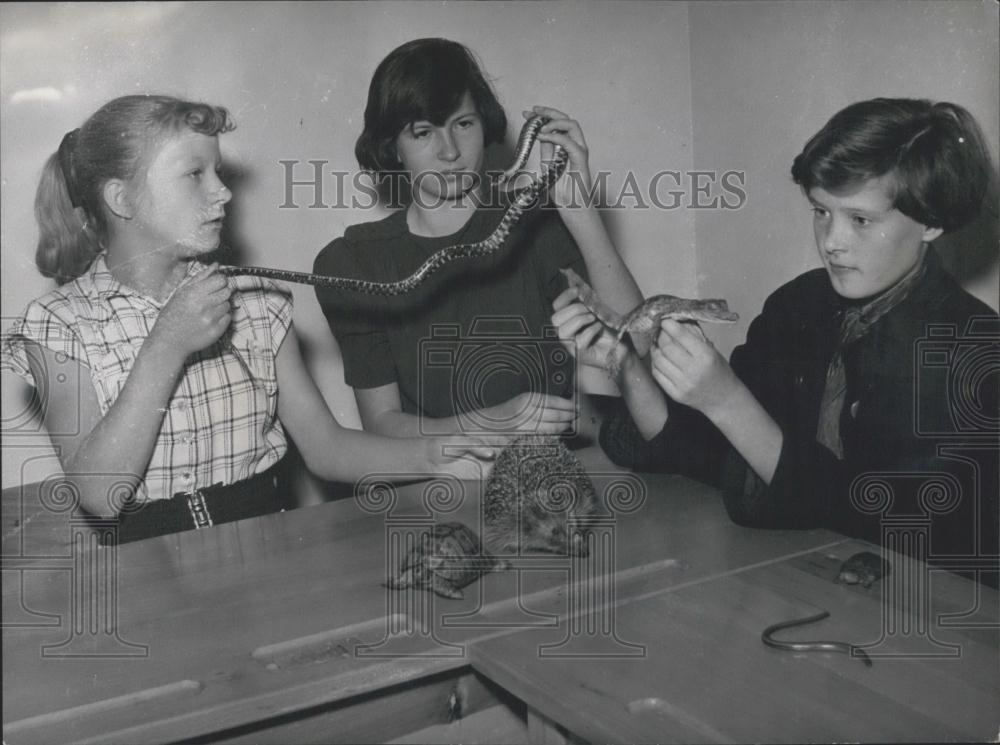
(430, 116)
(160, 377)
(831, 390)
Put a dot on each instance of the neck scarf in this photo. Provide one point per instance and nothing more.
(858, 321)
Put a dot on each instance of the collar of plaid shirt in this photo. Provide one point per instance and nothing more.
(106, 286)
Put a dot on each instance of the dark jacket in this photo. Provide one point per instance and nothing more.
(919, 425)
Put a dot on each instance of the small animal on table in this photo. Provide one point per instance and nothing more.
(642, 323)
(538, 498)
(864, 568)
(446, 559)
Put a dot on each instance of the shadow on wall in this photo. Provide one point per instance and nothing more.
(972, 251)
(238, 177)
(26, 418)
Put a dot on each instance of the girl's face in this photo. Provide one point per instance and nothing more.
(444, 161)
(180, 204)
(865, 243)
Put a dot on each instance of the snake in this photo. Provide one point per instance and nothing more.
(844, 647)
(643, 321)
(523, 199)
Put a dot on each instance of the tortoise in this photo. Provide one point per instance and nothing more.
(445, 560)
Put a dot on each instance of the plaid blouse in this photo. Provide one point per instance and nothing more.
(221, 422)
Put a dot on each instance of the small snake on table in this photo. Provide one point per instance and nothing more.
(523, 200)
(844, 647)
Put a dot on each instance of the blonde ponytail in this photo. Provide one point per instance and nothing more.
(65, 244)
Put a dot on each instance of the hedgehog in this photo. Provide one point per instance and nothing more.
(535, 497)
(446, 559)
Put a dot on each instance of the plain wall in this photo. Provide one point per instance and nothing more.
(657, 87)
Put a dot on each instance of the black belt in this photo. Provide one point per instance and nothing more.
(261, 494)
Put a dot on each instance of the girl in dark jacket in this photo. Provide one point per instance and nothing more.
(865, 397)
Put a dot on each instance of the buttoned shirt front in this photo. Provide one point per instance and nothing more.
(220, 424)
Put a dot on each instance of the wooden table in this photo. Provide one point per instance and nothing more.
(705, 675)
(277, 629)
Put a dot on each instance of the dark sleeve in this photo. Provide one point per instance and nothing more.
(364, 345)
(807, 475)
(800, 492)
(688, 444)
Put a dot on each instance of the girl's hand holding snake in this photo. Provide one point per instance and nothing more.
(196, 315)
(689, 368)
(561, 130)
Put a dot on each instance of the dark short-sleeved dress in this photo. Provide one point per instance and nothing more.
(472, 335)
